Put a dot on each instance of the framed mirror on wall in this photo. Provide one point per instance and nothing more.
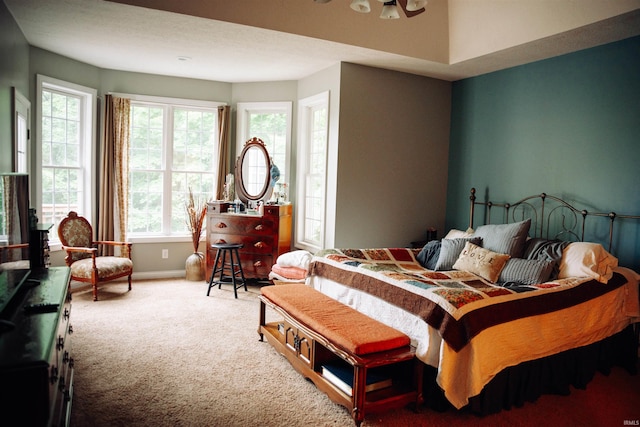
(21, 131)
(253, 171)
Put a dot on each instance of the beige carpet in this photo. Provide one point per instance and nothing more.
(165, 354)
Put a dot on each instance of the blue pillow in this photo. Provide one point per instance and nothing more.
(428, 256)
(505, 238)
(450, 251)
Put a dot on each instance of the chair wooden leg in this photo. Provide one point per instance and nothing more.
(94, 283)
(129, 282)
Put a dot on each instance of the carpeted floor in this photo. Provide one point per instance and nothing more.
(165, 354)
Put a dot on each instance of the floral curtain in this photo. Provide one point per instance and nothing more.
(114, 181)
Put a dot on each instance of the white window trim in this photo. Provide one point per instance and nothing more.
(175, 102)
(89, 110)
(21, 136)
(304, 107)
(242, 126)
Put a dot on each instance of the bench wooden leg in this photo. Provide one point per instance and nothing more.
(360, 376)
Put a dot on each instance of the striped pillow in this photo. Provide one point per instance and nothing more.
(450, 251)
(526, 271)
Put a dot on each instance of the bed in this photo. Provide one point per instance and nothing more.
(502, 312)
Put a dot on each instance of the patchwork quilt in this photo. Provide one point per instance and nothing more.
(458, 304)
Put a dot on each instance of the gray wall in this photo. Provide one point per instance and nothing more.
(387, 157)
(393, 156)
(328, 80)
(14, 72)
(390, 162)
(567, 126)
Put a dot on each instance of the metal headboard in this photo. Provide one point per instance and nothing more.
(551, 217)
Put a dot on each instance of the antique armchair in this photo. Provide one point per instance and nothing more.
(12, 257)
(76, 236)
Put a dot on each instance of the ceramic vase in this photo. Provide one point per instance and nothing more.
(194, 266)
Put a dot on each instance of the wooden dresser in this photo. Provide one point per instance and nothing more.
(264, 237)
(36, 366)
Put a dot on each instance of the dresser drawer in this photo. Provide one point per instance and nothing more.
(251, 244)
(237, 224)
(256, 265)
(63, 342)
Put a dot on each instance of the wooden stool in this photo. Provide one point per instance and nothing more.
(236, 276)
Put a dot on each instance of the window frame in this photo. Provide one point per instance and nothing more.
(167, 157)
(21, 130)
(89, 99)
(306, 107)
(244, 109)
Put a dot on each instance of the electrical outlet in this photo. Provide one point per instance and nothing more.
(165, 253)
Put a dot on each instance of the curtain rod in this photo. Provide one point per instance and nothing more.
(168, 100)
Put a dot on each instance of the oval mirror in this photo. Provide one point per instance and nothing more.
(253, 171)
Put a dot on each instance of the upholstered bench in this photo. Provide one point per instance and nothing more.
(340, 324)
(318, 331)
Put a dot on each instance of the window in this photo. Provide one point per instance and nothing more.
(312, 172)
(65, 155)
(271, 122)
(174, 147)
(21, 131)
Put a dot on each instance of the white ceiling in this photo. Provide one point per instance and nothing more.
(259, 40)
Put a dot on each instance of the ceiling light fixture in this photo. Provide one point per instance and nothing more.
(390, 7)
(361, 6)
(413, 5)
(390, 10)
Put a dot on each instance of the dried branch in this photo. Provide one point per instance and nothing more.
(196, 209)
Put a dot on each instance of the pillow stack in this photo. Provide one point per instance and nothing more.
(503, 253)
(484, 251)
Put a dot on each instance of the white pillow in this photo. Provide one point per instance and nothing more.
(584, 259)
(459, 234)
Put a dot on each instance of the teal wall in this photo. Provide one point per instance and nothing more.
(567, 126)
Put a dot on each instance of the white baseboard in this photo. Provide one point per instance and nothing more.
(147, 275)
(167, 274)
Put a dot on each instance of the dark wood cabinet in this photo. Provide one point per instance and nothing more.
(36, 365)
(264, 237)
